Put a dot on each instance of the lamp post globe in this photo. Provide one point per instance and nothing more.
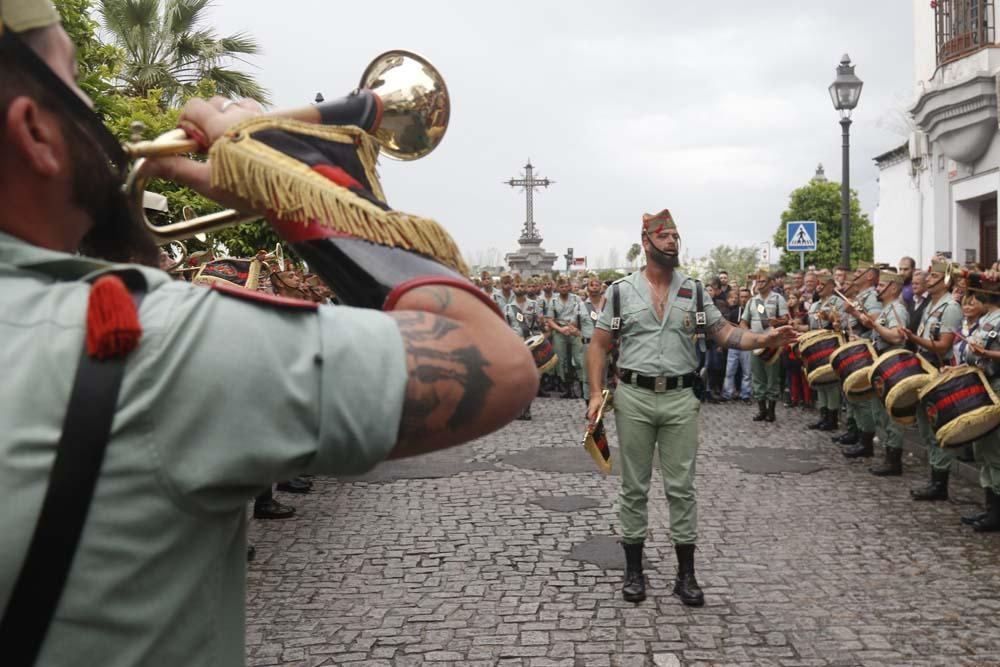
(845, 91)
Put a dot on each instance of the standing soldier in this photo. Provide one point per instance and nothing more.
(654, 313)
(886, 336)
(590, 311)
(764, 311)
(564, 312)
(984, 352)
(866, 302)
(933, 340)
(505, 294)
(522, 316)
(825, 310)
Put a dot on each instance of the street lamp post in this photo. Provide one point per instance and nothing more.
(845, 92)
(569, 258)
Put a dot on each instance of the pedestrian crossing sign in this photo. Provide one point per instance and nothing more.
(801, 236)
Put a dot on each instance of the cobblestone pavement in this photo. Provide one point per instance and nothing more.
(470, 557)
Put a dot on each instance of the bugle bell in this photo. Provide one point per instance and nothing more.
(401, 100)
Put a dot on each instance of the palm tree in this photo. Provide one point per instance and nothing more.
(167, 48)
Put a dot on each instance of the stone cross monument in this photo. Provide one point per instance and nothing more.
(530, 259)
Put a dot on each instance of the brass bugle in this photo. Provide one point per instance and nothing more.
(401, 100)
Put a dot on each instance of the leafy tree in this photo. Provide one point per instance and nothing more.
(633, 254)
(167, 48)
(98, 63)
(734, 260)
(820, 201)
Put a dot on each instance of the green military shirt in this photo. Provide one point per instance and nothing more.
(221, 398)
(868, 302)
(588, 314)
(830, 303)
(758, 312)
(647, 345)
(500, 300)
(565, 312)
(987, 335)
(523, 318)
(892, 316)
(940, 317)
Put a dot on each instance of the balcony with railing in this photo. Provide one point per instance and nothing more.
(962, 27)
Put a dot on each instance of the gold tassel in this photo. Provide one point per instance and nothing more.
(291, 190)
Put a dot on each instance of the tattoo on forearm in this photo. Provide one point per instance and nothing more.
(735, 338)
(432, 368)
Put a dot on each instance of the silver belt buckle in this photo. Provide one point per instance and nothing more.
(660, 384)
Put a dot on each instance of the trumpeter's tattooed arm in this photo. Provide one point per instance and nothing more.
(462, 362)
(737, 338)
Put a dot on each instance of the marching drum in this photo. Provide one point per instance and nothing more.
(769, 355)
(960, 406)
(851, 361)
(543, 352)
(897, 377)
(815, 350)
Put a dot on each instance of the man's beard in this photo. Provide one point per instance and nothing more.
(115, 235)
(664, 260)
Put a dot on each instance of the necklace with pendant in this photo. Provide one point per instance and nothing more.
(659, 302)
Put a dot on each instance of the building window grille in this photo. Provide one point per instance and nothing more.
(962, 27)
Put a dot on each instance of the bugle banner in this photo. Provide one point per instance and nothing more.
(595, 440)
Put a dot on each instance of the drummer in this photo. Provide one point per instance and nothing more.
(934, 338)
(523, 316)
(887, 337)
(823, 313)
(984, 353)
(765, 310)
(865, 413)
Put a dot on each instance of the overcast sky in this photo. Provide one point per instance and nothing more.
(715, 110)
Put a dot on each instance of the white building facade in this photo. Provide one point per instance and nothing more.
(938, 192)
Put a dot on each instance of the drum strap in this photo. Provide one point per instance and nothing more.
(72, 480)
(616, 311)
(699, 316)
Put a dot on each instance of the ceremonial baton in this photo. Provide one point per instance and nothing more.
(595, 440)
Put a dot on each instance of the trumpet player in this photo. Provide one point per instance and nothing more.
(865, 302)
(825, 314)
(941, 318)
(152, 518)
(766, 310)
(886, 336)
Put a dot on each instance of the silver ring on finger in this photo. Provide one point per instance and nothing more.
(227, 104)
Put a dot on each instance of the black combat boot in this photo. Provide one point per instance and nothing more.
(892, 466)
(864, 448)
(991, 522)
(634, 588)
(821, 423)
(850, 436)
(832, 417)
(936, 490)
(686, 586)
(972, 519)
(770, 410)
(761, 411)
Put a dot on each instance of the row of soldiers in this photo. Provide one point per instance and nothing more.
(869, 306)
(556, 309)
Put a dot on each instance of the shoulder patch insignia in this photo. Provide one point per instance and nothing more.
(684, 293)
(229, 289)
(987, 327)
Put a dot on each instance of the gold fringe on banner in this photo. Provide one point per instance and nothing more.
(291, 190)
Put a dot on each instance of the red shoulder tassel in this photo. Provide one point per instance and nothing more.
(113, 328)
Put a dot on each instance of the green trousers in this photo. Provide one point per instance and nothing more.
(828, 396)
(569, 349)
(987, 453)
(668, 423)
(937, 457)
(865, 415)
(890, 432)
(765, 380)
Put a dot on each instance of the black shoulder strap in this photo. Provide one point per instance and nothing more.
(85, 434)
(616, 311)
(699, 316)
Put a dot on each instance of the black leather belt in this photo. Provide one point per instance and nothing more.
(658, 384)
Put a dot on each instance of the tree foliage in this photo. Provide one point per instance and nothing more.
(735, 260)
(166, 47)
(820, 201)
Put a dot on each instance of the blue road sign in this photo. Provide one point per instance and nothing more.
(801, 236)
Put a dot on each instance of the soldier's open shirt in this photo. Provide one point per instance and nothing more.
(222, 397)
(648, 345)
